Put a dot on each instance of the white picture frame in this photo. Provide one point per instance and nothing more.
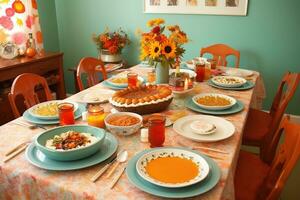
(208, 7)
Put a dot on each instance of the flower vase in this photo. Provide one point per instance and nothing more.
(162, 73)
(106, 56)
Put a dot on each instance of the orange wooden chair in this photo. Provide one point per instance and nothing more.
(255, 179)
(88, 66)
(261, 126)
(220, 52)
(25, 85)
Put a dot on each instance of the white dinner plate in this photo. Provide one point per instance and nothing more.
(31, 110)
(224, 128)
(202, 165)
(94, 96)
(238, 72)
(220, 81)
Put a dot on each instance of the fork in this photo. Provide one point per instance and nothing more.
(30, 126)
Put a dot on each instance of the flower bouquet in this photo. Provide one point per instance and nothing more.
(111, 43)
(161, 50)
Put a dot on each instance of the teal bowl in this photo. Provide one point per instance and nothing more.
(72, 154)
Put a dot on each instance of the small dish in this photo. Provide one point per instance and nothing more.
(203, 128)
(227, 101)
(228, 81)
(71, 154)
(202, 166)
(95, 96)
(123, 130)
(32, 111)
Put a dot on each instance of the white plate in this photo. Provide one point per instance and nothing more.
(224, 128)
(217, 80)
(190, 72)
(232, 101)
(95, 96)
(140, 79)
(203, 167)
(190, 65)
(238, 72)
(30, 110)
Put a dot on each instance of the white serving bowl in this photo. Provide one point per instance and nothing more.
(191, 73)
(123, 130)
(221, 81)
(232, 101)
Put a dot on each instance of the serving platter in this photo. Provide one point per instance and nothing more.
(49, 103)
(184, 192)
(224, 128)
(38, 159)
(196, 159)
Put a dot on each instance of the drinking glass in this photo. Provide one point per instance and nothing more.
(156, 130)
(66, 114)
(200, 72)
(151, 77)
(95, 115)
(132, 79)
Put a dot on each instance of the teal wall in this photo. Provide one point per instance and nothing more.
(268, 37)
(48, 23)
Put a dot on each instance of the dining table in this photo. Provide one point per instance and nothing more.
(21, 180)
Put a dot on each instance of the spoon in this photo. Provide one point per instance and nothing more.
(121, 157)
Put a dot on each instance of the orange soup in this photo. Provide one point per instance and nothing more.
(172, 169)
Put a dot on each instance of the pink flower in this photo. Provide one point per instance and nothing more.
(9, 12)
(19, 38)
(6, 22)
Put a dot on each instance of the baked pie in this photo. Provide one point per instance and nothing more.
(142, 99)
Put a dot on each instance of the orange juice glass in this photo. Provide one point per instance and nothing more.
(95, 115)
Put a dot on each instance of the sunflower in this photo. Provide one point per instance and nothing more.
(144, 52)
(155, 22)
(169, 49)
(155, 50)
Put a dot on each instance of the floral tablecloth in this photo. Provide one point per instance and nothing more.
(21, 180)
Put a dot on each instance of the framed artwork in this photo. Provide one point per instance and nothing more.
(209, 7)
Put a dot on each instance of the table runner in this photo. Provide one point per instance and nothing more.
(21, 180)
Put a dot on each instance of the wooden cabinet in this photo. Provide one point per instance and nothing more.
(49, 65)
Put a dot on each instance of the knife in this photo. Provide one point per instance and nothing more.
(103, 169)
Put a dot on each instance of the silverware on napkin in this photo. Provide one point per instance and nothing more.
(27, 125)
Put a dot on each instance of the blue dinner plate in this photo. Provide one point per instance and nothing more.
(199, 188)
(114, 87)
(28, 117)
(37, 158)
(248, 85)
(239, 106)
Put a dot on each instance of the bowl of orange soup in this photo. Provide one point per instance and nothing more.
(172, 167)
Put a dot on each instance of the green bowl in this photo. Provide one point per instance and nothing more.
(73, 154)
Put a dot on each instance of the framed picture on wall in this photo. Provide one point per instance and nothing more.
(209, 7)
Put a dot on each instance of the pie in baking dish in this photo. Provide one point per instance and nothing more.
(142, 95)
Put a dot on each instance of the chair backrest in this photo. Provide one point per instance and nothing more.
(25, 85)
(88, 66)
(220, 52)
(285, 160)
(285, 92)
